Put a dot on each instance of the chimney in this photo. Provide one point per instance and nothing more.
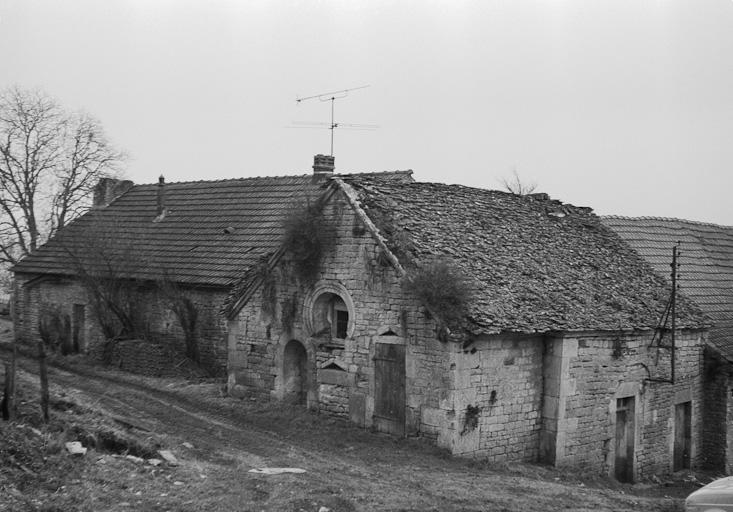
(323, 165)
(161, 195)
(108, 189)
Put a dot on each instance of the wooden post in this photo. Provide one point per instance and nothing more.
(9, 408)
(8, 402)
(44, 380)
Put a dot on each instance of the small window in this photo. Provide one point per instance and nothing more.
(331, 317)
(338, 317)
(342, 323)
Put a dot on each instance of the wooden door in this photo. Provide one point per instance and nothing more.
(682, 436)
(624, 464)
(389, 388)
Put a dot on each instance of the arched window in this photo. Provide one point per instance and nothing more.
(328, 312)
(330, 316)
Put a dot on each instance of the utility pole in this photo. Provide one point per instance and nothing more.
(675, 266)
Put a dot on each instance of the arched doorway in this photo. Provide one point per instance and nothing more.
(295, 373)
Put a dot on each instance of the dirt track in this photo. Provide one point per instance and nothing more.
(346, 468)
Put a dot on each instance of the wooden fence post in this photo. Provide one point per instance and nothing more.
(9, 394)
(44, 380)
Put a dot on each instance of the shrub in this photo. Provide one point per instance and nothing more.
(442, 288)
(308, 237)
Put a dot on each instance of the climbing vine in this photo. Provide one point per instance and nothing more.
(269, 289)
(289, 312)
(309, 236)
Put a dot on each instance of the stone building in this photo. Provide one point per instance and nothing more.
(198, 236)
(706, 276)
(557, 357)
(554, 357)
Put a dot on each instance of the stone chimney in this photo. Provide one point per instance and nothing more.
(323, 165)
(161, 195)
(108, 189)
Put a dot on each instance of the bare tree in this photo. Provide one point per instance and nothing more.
(516, 186)
(50, 161)
(106, 266)
(185, 310)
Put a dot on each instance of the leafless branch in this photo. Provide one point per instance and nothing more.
(516, 186)
(50, 161)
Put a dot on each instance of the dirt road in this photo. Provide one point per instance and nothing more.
(347, 469)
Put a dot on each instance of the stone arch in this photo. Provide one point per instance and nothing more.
(295, 373)
(322, 299)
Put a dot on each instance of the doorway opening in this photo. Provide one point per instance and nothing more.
(624, 463)
(682, 436)
(295, 373)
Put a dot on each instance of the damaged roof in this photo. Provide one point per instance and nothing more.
(706, 264)
(536, 264)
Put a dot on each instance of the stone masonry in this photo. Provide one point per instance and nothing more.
(33, 295)
(340, 375)
(504, 397)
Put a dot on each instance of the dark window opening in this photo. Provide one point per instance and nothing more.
(342, 323)
(331, 318)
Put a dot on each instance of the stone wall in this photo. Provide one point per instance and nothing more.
(494, 407)
(598, 369)
(340, 373)
(717, 413)
(501, 397)
(34, 293)
(144, 358)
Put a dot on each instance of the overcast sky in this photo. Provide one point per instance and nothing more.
(623, 106)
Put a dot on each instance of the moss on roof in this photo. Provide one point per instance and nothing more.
(536, 264)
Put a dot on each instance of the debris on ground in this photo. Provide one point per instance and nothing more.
(276, 471)
(168, 456)
(75, 448)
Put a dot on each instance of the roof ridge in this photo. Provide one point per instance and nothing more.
(372, 173)
(541, 197)
(308, 175)
(228, 179)
(674, 219)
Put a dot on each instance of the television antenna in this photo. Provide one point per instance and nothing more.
(332, 97)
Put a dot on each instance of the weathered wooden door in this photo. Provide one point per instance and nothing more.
(624, 464)
(682, 435)
(389, 388)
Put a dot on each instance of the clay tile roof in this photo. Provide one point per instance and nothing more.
(706, 263)
(211, 232)
(537, 265)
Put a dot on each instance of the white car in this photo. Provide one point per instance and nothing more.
(717, 496)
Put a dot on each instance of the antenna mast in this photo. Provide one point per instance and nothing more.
(332, 97)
